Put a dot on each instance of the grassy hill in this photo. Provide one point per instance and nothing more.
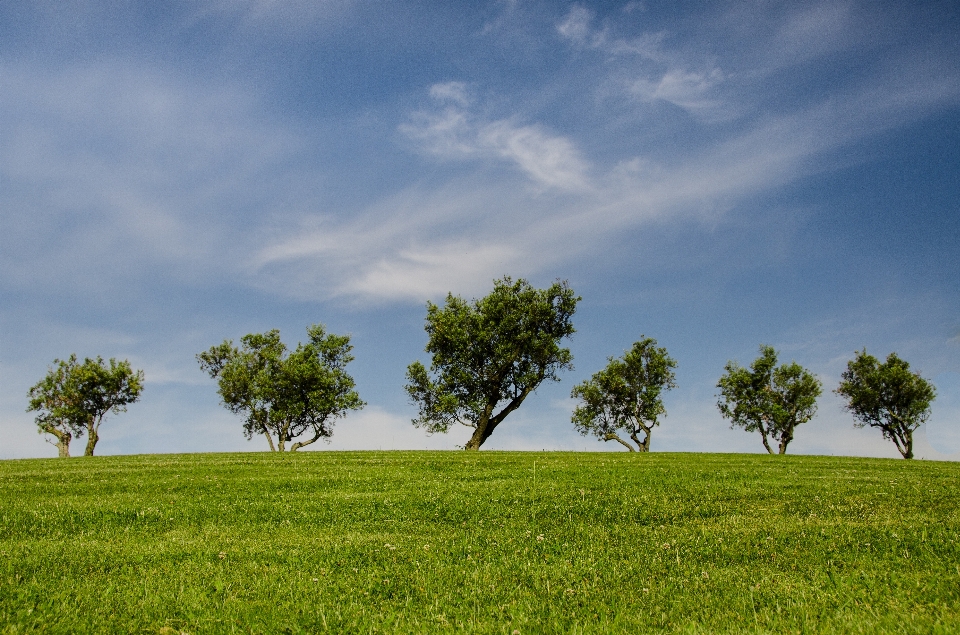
(478, 542)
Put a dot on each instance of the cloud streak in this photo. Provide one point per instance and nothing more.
(425, 242)
(549, 160)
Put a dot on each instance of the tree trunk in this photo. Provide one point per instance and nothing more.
(610, 436)
(763, 435)
(766, 444)
(63, 440)
(644, 446)
(481, 434)
(299, 444)
(63, 445)
(92, 438)
(908, 444)
(266, 433)
(785, 440)
(488, 424)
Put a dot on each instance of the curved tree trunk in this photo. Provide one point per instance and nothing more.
(644, 445)
(763, 435)
(785, 440)
(266, 433)
(907, 451)
(488, 424)
(610, 436)
(299, 444)
(481, 434)
(63, 440)
(483, 430)
(92, 438)
(63, 446)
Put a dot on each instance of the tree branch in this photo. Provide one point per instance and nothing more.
(610, 436)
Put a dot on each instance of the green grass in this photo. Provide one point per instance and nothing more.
(479, 542)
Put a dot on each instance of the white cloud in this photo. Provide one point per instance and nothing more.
(943, 428)
(576, 26)
(136, 163)
(550, 160)
(290, 17)
(692, 91)
(425, 242)
(814, 30)
(451, 91)
(447, 133)
(414, 245)
(690, 82)
(420, 274)
(376, 429)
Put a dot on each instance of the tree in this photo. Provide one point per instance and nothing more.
(887, 396)
(488, 352)
(626, 395)
(51, 399)
(768, 398)
(74, 398)
(284, 396)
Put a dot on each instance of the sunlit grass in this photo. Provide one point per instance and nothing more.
(478, 542)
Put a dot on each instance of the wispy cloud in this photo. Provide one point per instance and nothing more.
(290, 17)
(646, 70)
(692, 91)
(576, 27)
(162, 173)
(453, 131)
(116, 170)
(813, 30)
(427, 241)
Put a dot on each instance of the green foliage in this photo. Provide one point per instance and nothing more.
(73, 398)
(281, 395)
(489, 351)
(442, 542)
(626, 395)
(887, 396)
(768, 398)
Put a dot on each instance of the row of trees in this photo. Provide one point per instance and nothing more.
(773, 400)
(487, 356)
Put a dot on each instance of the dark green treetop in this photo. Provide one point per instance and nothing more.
(285, 395)
(489, 354)
(769, 399)
(626, 396)
(74, 398)
(888, 396)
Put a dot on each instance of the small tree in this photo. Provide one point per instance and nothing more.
(284, 396)
(51, 398)
(497, 349)
(626, 395)
(770, 399)
(74, 398)
(887, 396)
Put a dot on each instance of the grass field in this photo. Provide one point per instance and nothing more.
(490, 542)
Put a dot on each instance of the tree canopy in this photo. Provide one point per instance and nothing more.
(74, 398)
(285, 395)
(626, 396)
(888, 396)
(489, 354)
(769, 399)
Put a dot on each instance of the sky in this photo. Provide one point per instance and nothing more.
(715, 175)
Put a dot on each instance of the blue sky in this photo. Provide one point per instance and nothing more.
(713, 175)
